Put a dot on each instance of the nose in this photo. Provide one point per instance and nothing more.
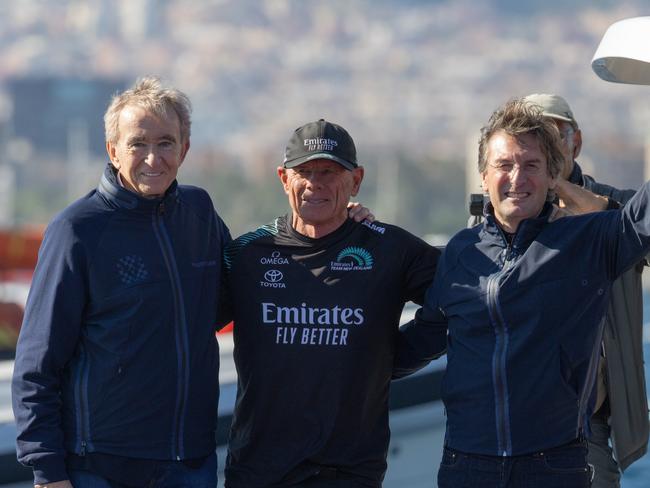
(151, 157)
(314, 178)
(517, 175)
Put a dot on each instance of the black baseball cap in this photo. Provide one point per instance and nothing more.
(320, 140)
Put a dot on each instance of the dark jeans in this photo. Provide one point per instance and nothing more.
(324, 483)
(561, 467)
(601, 456)
(168, 474)
(330, 477)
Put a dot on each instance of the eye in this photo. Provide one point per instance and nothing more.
(505, 167)
(166, 144)
(136, 146)
(532, 168)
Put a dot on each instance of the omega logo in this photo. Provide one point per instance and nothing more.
(276, 259)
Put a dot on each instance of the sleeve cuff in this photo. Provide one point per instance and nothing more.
(612, 204)
(49, 470)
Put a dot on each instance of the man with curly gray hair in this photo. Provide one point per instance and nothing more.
(116, 372)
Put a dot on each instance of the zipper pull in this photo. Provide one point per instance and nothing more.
(83, 449)
(161, 208)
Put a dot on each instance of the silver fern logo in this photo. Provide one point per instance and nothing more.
(132, 270)
(353, 259)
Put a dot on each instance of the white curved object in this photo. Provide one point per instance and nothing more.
(623, 55)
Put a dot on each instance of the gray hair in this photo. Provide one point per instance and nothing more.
(517, 117)
(150, 94)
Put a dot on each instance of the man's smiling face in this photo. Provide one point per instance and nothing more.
(516, 177)
(319, 192)
(148, 151)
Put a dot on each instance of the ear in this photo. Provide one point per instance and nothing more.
(484, 184)
(186, 147)
(357, 176)
(577, 143)
(110, 149)
(552, 182)
(284, 178)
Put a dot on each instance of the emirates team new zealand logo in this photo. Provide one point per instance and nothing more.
(352, 259)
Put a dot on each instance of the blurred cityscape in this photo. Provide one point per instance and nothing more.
(412, 81)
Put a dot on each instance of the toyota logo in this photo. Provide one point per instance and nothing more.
(273, 276)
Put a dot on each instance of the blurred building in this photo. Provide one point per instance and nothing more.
(45, 110)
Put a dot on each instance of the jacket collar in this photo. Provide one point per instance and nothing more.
(120, 198)
(576, 175)
(526, 232)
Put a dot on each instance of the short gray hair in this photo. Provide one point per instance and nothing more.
(150, 94)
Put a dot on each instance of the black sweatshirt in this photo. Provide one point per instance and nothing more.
(316, 326)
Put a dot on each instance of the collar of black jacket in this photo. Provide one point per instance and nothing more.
(576, 175)
(120, 197)
(527, 230)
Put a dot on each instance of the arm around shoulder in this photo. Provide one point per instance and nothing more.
(421, 340)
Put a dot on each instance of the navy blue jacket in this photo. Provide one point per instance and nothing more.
(117, 352)
(525, 322)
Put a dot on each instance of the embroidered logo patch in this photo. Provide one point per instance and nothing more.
(132, 269)
(352, 259)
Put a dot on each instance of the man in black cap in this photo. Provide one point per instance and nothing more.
(316, 301)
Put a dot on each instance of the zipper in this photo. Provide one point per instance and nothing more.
(592, 373)
(82, 401)
(502, 411)
(180, 330)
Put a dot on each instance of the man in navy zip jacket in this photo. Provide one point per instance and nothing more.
(116, 373)
(523, 296)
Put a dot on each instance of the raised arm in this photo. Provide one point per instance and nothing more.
(626, 235)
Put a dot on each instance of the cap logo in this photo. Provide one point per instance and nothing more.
(320, 144)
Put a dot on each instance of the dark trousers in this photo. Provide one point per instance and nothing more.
(167, 474)
(325, 483)
(561, 467)
(327, 477)
(607, 474)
